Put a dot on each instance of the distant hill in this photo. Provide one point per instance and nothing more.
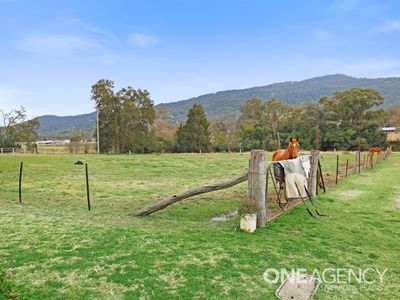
(60, 127)
(226, 104)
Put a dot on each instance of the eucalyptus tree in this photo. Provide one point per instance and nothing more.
(125, 117)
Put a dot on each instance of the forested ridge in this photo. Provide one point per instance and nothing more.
(225, 105)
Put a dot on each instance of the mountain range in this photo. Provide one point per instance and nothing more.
(226, 104)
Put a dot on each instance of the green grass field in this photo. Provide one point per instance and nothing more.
(59, 250)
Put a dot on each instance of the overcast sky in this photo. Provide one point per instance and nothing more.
(51, 52)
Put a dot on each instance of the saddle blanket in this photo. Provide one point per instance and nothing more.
(293, 171)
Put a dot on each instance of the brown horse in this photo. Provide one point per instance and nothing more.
(290, 153)
(373, 150)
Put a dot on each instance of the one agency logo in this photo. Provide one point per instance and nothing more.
(328, 275)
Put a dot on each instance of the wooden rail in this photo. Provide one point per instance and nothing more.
(189, 193)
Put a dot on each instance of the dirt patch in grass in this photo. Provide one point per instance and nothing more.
(397, 200)
(351, 194)
(175, 279)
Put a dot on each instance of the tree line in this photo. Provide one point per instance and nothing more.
(348, 120)
(129, 122)
(15, 129)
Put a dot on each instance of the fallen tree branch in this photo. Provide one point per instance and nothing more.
(189, 193)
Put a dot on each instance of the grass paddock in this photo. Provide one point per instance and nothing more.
(58, 250)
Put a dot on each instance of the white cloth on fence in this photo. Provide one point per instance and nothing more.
(297, 172)
(305, 162)
(290, 183)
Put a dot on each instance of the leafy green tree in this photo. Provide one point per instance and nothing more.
(15, 128)
(361, 143)
(250, 127)
(27, 132)
(194, 135)
(335, 122)
(164, 132)
(137, 117)
(260, 122)
(125, 118)
(275, 112)
(306, 122)
(351, 106)
(75, 142)
(373, 136)
(394, 115)
(251, 113)
(350, 117)
(223, 136)
(109, 110)
(181, 139)
(337, 138)
(9, 121)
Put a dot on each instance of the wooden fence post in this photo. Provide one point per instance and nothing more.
(313, 181)
(356, 160)
(337, 169)
(256, 192)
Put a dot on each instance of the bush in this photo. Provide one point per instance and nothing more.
(248, 207)
(7, 286)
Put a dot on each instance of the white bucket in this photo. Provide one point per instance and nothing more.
(248, 222)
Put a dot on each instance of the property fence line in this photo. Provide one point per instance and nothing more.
(369, 161)
(17, 150)
(7, 150)
(257, 177)
(257, 187)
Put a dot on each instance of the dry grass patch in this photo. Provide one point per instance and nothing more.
(397, 200)
(351, 194)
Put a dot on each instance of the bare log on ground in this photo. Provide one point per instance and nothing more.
(190, 193)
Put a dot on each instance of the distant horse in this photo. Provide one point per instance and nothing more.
(290, 153)
(373, 150)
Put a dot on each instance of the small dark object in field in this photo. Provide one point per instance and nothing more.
(78, 162)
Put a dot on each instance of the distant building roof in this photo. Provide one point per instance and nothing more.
(389, 129)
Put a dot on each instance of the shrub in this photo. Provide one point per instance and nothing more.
(248, 207)
(7, 286)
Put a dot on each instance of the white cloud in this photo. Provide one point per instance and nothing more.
(52, 44)
(344, 6)
(7, 94)
(359, 67)
(100, 33)
(372, 65)
(389, 26)
(324, 35)
(92, 45)
(368, 67)
(13, 98)
(143, 40)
